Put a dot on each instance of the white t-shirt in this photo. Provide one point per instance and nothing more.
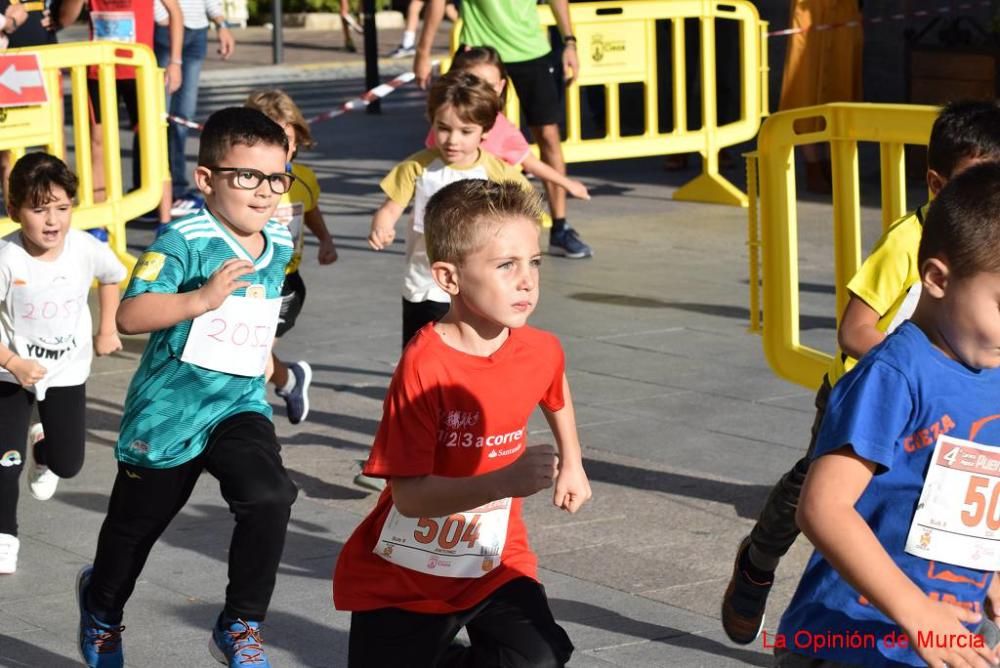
(44, 314)
(416, 179)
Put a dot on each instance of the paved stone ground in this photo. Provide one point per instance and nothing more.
(684, 426)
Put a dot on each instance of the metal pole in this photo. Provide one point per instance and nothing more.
(277, 46)
(371, 54)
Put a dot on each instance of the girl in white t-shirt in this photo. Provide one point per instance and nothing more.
(46, 270)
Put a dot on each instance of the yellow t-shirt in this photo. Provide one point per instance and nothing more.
(885, 279)
(293, 206)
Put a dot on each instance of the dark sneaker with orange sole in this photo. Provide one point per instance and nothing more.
(744, 601)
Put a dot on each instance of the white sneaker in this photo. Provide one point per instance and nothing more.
(41, 481)
(9, 545)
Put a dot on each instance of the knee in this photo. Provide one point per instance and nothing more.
(66, 469)
(276, 498)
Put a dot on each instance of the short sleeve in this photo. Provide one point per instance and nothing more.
(554, 398)
(108, 269)
(506, 142)
(869, 409)
(885, 274)
(162, 267)
(400, 183)
(406, 438)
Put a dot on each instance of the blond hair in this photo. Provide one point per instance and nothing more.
(459, 215)
(277, 105)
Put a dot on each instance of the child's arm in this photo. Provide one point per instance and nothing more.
(533, 165)
(827, 516)
(313, 219)
(437, 496)
(152, 311)
(384, 224)
(857, 333)
(69, 12)
(175, 19)
(27, 372)
(572, 486)
(106, 341)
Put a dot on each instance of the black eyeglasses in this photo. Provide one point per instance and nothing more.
(250, 179)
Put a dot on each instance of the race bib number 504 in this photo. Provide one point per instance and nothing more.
(462, 545)
(958, 519)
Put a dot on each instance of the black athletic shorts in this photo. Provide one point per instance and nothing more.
(293, 296)
(539, 87)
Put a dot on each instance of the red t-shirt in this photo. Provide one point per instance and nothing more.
(121, 21)
(504, 140)
(451, 414)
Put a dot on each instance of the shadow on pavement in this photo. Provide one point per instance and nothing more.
(16, 652)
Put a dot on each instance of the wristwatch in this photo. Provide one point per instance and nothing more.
(569, 39)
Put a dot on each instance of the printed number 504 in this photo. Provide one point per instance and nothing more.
(977, 507)
(449, 533)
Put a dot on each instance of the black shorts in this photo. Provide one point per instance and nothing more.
(418, 314)
(126, 95)
(539, 87)
(293, 296)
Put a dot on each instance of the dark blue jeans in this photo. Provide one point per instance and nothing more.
(184, 102)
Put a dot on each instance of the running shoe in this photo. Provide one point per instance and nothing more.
(744, 602)
(236, 643)
(567, 243)
(297, 398)
(100, 643)
(9, 547)
(42, 481)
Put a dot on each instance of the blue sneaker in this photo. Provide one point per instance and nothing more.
(237, 643)
(297, 398)
(567, 243)
(100, 643)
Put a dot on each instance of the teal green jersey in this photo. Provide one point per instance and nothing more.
(172, 405)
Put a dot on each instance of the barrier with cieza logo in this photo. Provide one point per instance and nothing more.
(41, 126)
(617, 46)
(774, 254)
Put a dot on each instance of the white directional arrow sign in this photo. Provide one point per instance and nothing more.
(21, 81)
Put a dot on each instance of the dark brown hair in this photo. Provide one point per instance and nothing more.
(33, 178)
(964, 130)
(473, 100)
(458, 215)
(963, 223)
(235, 126)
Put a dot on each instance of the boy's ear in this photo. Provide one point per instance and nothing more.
(935, 182)
(203, 179)
(446, 276)
(934, 276)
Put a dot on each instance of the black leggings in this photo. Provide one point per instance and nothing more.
(513, 628)
(244, 456)
(62, 415)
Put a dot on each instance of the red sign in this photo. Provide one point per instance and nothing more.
(21, 81)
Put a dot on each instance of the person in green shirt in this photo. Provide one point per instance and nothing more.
(512, 28)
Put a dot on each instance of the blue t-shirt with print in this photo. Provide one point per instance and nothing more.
(890, 409)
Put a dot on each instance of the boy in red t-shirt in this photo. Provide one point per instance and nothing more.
(446, 546)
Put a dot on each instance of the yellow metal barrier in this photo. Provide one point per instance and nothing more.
(22, 128)
(842, 126)
(616, 42)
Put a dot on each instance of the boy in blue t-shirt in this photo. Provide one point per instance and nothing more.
(901, 499)
(208, 291)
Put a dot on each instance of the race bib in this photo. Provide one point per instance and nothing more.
(49, 316)
(114, 26)
(463, 545)
(957, 519)
(234, 338)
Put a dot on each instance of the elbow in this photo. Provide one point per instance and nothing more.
(124, 323)
(806, 515)
(405, 505)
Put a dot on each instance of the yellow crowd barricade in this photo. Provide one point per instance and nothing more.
(617, 45)
(23, 128)
(772, 166)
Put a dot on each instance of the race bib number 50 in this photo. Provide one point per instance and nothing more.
(958, 519)
(463, 545)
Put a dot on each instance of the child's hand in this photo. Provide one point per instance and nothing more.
(382, 235)
(105, 344)
(577, 189)
(27, 372)
(937, 619)
(224, 282)
(532, 472)
(572, 488)
(327, 252)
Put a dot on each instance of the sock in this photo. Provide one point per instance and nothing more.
(289, 384)
(409, 39)
(558, 225)
(757, 575)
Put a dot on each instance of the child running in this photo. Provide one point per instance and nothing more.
(298, 206)
(208, 291)
(882, 295)
(504, 140)
(897, 500)
(462, 108)
(446, 546)
(46, 270)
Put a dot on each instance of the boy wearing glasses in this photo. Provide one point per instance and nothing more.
(208, 293)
